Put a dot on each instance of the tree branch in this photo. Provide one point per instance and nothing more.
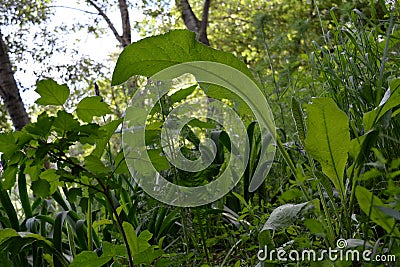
(202, 34)
(188, 16)
(126, 24)
(109, 23)
(193, 23)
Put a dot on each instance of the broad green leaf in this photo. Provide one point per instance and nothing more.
(159, 161)
(51, 93)
(41, 188)
(52, 178)
(328, 139)
(101, 143)
(64, 122)
(390, 100)
(41, 127)
(391, 212)
(9, 177)
(314, 226)
(90, 107)
(7, 143)
(89, 259)
(132, 238)
(102, 222)
(371, 205)
(7, 233)
(95, 165)
(283, 216)
(89, 133)
(147, 256)
(151, 55)
(182, 94)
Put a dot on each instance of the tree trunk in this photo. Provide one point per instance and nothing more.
(9, 90)
(193, 23)
(125, 38)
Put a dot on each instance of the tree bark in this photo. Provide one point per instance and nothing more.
(9, 90)
(193, 23)
(126, 24)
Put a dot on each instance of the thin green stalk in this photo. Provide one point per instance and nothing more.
(384, 56)
(89, 224)
(71, 240)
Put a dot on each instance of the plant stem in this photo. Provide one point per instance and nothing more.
(89, 224)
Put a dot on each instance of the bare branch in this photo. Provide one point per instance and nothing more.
(202, 34)
(188, 16)
(109, 23)
(126, 25)
(73, 8)
(193, 23)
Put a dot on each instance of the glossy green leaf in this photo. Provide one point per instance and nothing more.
(52, 178)
(132, 237)
(89, 259)
(101, 222)
(41, 127)
(101, 143)
(7, 143)
(328, 139)
(7, 233)
(147, 256)
(159, 161)
(90, 107)
(41, 188)
(51, 93)
(65, 122)
(9, 177)
(95, 165)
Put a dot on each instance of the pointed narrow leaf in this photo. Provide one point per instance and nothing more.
(101, 143)
(132, 237)
(299, 120)
(51, 93)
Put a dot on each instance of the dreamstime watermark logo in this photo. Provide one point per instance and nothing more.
(212, 75)
(340, 253)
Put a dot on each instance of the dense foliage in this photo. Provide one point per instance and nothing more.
(333, 82)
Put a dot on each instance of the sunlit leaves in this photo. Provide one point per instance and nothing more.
(151, 55)
(51, 93)
(390, 100)
(328, 139)
(90, 107)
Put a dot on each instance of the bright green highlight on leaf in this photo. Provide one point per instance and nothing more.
(51, 93)
(389, 101)
(151, 55)
(90, 107)
(328, 139)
